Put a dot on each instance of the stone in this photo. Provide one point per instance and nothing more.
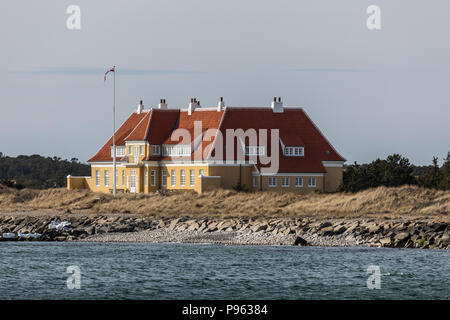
(299, 241)
(193, 226)
(339, 229)
(325, 225)
(385, 242)
(328, 231)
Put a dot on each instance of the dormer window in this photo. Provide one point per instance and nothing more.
(255, 151)
(176, 150)
(155, 150)
(120, 151)
(294, 151)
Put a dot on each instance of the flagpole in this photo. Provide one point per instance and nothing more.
(114, 133)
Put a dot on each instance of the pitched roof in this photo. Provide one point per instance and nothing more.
(295, 129)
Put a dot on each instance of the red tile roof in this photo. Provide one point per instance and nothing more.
(295, 129)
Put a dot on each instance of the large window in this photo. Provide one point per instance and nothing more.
(123, 177)
(153, 178)
(130, 150)
(141, 150)
(285, 181)
(191, 177)
(97, 178)
(312, 182)
(177, 150)
(173, 178)
(164, 178)
(120, 151)
(106, 178)
(294, 151)
(299, 182)
(182, 178)
(272, 181)
(145, 177)
(201, 172)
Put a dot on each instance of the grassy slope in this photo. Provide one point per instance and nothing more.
(382, 202)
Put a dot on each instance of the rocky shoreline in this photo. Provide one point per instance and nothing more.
(264, 231)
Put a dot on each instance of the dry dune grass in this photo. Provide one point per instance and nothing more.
(384, 202)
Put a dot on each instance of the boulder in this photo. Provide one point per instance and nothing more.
(386, 242)
(299, 241)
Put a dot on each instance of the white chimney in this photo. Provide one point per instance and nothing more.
(277, 106)
(140, 107)
(220, 105)
(192, 105)
(162, 104)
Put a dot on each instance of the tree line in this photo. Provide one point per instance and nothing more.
(395, 171)
(39, 172)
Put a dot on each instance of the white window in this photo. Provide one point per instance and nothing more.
(155, 150)
(182, 178)
(130, 150)
(120, 151)
(145, 177)
(255, 182)
(117, 178)
(285, 182)
(173, 178)
(294, 151)
(201, 172)
(164, 178)
(177, 150)
(191, 177)
(255, 151)
(97, 178)
(141, 149)
(153, 178)
(123, 177)
(106, 178)
(312, 182)
(299, 182)
(272, 181)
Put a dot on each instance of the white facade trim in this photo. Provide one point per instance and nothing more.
(333, 163)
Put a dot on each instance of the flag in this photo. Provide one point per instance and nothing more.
(111, 70)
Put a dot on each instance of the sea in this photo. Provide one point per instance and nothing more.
(74, 270)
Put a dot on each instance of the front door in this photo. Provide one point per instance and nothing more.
(132, 180)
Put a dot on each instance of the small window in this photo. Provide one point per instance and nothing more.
(141, 150)
(145, 177)
(153, 178)
(97, 178)
(123, 177)
(255, 182)
(285, 182)
(201, 172)
(312, 182)
(191, 177)
(299, 182)
(155, 150)
(106, 178)
(182, 178)
(164, 178)
(272, 181)
(173, 178)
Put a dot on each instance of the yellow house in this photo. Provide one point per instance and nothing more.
(200, 148)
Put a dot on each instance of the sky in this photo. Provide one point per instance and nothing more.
(371, 92)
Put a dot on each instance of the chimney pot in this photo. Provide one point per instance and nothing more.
(279, 99)
(162, 104)
(220, 105)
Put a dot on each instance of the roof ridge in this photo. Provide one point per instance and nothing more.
(148, 125)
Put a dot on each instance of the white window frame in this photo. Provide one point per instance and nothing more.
(106, 177)
(297, 180)
(285, 182)
(310, 182)
(97, 178)
(255, 150)
(173, 178)
(156, 150)
(191, 177)
(141, 150)
(294, 151)
(182, 177)
(164, 178)
(130, 150)
(120, 151)
(123, 177)
(272, 181)
(201, 172)
(153, 178)
(178, 150)
(145, 177)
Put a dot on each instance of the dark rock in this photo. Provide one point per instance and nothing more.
(299, 241)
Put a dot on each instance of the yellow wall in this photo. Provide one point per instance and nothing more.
(333, 178)
(292, 187)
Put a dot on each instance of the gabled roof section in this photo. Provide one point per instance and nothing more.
(104, 154)
(139, 132)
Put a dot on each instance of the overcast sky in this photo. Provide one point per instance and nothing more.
(371, 92)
